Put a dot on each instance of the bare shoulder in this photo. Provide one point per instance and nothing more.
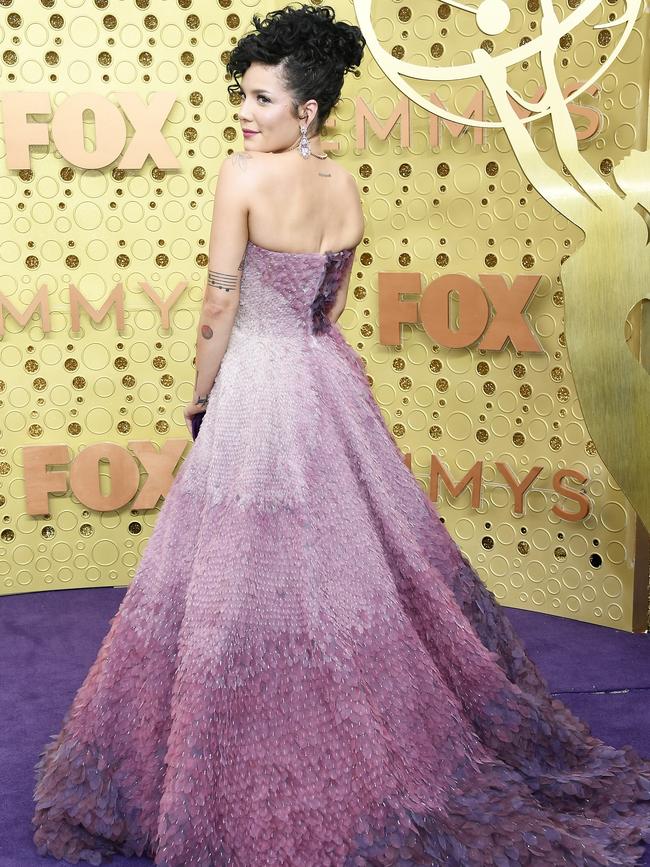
(244, 165)
(239, 178)
(350, 184)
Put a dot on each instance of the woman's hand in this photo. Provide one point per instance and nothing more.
(190, 410)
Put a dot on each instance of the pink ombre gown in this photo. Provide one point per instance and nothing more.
(305, 670)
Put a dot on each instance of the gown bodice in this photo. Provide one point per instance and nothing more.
(288, 294)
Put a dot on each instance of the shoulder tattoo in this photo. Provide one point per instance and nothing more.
(241, 159)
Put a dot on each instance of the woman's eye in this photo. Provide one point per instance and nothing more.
(260, 96)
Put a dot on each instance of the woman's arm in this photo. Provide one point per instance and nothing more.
(228, 240)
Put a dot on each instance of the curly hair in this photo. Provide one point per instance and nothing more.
(312, 50)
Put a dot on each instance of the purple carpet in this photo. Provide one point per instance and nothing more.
(48, 641)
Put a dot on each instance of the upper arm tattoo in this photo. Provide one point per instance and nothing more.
(227, 282)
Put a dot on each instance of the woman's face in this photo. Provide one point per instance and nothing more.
(265, 109)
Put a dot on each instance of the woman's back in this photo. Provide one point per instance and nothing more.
(310, 206)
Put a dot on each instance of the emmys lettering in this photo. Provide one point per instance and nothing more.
(474, 319)
(68, 133)
(474, 111)
(84, 478)
(77, 303)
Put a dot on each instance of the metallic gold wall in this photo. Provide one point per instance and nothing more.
(433, 207)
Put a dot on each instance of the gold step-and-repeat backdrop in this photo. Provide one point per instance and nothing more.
(497, 299)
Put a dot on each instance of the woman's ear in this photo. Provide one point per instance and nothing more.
(310, 109)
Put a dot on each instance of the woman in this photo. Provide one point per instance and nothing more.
(305, 670)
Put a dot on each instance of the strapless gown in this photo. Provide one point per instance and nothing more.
(305, 670)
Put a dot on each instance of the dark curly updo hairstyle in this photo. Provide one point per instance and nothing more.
(312, 50)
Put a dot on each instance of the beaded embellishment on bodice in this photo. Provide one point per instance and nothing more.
(288, 293)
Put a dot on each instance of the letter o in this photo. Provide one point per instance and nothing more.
(474, 310)
(84, 477)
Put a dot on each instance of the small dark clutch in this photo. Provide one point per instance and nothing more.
(197, 418)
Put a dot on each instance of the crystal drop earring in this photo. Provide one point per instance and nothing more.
(305, 150)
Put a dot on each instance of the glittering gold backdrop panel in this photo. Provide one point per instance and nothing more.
(439, 201)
